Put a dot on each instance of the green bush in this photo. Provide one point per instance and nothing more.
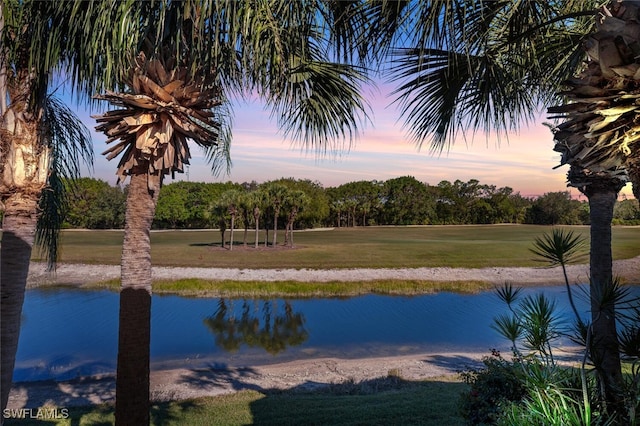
(496, 384)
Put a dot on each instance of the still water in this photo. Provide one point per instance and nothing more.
(69, 332)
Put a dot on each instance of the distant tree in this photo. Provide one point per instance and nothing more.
(255, 202)
(556, 208)
(275, 194)
(94, 204)
(219, 215)
(336, 208)
(229, 203)
(627, 211)
(407, 201)
(357, 199)
(295, 202)
(521, 206)
(172, 208)
(192, 201)
(244, 210)
(318, 208)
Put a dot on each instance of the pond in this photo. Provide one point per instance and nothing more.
(70, 332)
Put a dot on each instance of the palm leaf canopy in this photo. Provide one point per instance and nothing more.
(32, 49)
(291, 54)
(166, 106)
(600, 130)
(483, 66)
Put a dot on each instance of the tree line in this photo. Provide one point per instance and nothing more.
(299, 204)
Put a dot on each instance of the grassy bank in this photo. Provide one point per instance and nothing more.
(194, 287)
(370, 247)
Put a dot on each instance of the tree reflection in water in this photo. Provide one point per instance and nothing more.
(273, 330)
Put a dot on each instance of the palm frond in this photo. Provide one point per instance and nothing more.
(508, 294)
(561, 247)
(320, 104)
(444, 93)
(53, 206)
(219, 155)
(167, 106)
(70, 145)
(509, 327)
(485, 66)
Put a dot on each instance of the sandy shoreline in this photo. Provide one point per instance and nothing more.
(184, 383)
(77, 274)
(302, 375)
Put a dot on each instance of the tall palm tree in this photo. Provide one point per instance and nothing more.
(468, 65)
(203, 51)
(41, 142)
(167, 104)
(598, 138)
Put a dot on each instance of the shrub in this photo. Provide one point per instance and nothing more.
(492, 386)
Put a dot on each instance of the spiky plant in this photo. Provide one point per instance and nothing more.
(562, 247)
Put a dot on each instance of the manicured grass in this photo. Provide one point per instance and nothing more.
(432, 402)
(370, 247)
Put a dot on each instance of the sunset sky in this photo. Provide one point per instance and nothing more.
(259, 152)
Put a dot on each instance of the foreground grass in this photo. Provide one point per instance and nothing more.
(194, 287)
(370, 247)
(432, 402)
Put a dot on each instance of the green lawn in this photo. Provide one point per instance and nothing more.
(432, 402)
(373, 247)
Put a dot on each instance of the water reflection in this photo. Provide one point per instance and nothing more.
(271, 330)
(71, 332)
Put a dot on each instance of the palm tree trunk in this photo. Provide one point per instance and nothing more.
(24, 167)
(132, 380)
(233, 224)
(604, 348)
(275, 226)
(291, 234)
(257, 221)
(18, 232)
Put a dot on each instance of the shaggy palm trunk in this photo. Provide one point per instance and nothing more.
(604, 339)
(132, 381)
(18, 231)
(633, 165)
(24, 166)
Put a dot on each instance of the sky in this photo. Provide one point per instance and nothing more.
(259, 152)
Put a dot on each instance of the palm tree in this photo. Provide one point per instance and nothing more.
(296, 201)
(41, 143)
(245, 211)
(277, 49)
(230, 201)
(167, 105)
(598, 138)
(255, 202)
(490, 66)
(276, 194)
